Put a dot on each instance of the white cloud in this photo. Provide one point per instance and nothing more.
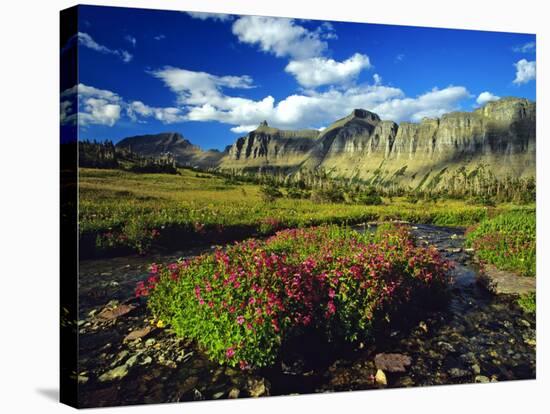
(84, 39)
(198, 88)
(130, 39)
(529, 47)
(167, 115)
(377, 79)
(525, 71)
(326, 31)
(400, 57)
(244, 129)
(485, 97)
(92, 106)
(159, 37)
(214, 16)
(279, 36)
(203, 99)
(125, 56)
(431, 104)
(319, 71)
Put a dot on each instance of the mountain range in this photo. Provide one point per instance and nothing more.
(499, 135)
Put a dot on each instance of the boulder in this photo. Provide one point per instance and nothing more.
(392, 362)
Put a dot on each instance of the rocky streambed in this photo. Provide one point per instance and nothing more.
(124, 359)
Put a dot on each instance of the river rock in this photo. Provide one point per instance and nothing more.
(380, 378)
(109, 314)
(524, 323)
(147, 360)
(392, 362)
(446, 347)
(257, 387)
(423, 326)
(482, 379)
(468, 358)
(234, 393)
(114, 374)
(503, 282)
(130, 362)
(189, 384)
(458, 373)
(139, 333)
(123, 354)
(406, 382)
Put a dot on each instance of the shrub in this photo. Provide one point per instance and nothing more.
(270, 193)
(330, 195)
(242, 303)
(483, 201)
(135, 234)
(297, 193)
(369, 199)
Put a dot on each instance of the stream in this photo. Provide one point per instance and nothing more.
(476, 337)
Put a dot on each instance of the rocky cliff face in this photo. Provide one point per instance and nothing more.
(500, 136)
(266, 146)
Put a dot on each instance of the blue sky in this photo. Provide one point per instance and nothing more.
(214, 77)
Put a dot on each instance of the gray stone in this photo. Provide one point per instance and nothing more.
(503, 282)
(524, 323)
(257, 387)
(392, 362)
(139, 333)
(147, 360)
(130, 362)
(234, 393)
(114, 374)
(445, 346)
(458, 373)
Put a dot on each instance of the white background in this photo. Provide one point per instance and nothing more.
(29, 193)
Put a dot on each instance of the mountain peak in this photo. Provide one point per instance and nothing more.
(263, 124)
(364, 114)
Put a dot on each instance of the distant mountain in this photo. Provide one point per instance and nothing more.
(499, 136)
(185, 153)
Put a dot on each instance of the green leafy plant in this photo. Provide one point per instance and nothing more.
(507, 241)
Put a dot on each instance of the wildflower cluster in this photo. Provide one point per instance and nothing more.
(241, 303)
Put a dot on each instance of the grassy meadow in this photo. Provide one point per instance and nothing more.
(508, 241)
(134, 210)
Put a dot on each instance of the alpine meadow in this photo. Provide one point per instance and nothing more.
(272, 206)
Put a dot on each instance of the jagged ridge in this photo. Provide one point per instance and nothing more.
(500, 135)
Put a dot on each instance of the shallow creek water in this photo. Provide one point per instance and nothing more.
(476, 337)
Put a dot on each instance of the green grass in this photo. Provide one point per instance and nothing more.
(508, 241)
(126, 202)
(528, 302)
